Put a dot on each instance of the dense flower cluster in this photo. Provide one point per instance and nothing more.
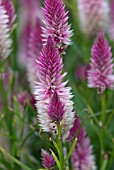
(52, 91)
(100, 75)
(82, 158)
(56, 22)
(93, 15)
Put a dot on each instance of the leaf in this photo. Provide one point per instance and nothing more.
(56, 159)
(104, 165)
(71, 150)
(15, 160)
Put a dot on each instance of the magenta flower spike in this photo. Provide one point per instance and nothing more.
(48, 160)
(52, 91)
(56, 24)
(93, 15)
(9, 7)
(82, 157)
(100, 75)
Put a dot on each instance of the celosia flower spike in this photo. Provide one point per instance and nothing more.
(56, 22)
(5, 41)
(93, 15)
(82, 157)
(52, 91)
(9, 7)
(100, 75)
(48, 160)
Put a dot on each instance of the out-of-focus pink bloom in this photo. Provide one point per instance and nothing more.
(93, 15)
(50, 76)
(10, 11)
(56, 24)
(82, 158)
(100, 75)
(28, 23)
(34, 48)
(22, 98)
(48, 160)
(82, 71)
(111, 25)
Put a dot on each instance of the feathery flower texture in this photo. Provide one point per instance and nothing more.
(6, 19)
(82, 158)
(100, 75)
(48, 160)
(53, 98)
(93, 15)
(56, 22)
(9, 7)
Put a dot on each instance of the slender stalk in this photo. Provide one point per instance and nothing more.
(60, 146)
(103, 107)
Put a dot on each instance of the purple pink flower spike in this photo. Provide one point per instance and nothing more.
(48, 160)
(50, 90)
(56, 24)
(100, 75)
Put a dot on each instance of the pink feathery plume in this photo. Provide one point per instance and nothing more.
(52, 91)
(93, 16)
(10, 11)
(48, 160)
(82, 157)
(100, 75)
(56, 24)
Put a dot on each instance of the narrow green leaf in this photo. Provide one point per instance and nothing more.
(56, 146)
(71, 150)
(56, 159)
(15, 160)
(104, 165)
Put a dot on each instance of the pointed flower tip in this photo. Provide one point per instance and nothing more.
(48, 160)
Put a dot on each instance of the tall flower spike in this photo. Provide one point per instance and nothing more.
(56, 22)
(51, 89)
(93, 15)
(82, 158)
(5, 41)
(100, 75)
(9, 7)
(48, 160)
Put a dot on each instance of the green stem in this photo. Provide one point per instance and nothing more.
(60, 146)
(103, 107)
